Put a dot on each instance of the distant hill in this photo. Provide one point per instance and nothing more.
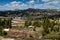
(35, 13)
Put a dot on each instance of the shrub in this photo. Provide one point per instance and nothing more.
(4, 33)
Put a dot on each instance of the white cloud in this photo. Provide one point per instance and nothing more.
(54, 3)
(37, 6)
(24, 4)
(31, 2)
(13, 5)
(45, 0)
(51, 4)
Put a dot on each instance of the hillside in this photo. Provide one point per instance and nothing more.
(34, 13)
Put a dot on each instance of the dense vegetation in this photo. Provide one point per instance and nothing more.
(4, 23)
(50, 28)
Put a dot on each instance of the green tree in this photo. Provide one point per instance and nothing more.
(57, 26)
(46, 25)
(52, 25)
(1, 31)
(36, 24)
(27, 23)
(6, 23)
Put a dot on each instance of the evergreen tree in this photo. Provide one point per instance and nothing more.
(46, 25)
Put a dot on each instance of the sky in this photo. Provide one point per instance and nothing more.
(25, 4)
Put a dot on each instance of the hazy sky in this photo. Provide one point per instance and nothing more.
(24, 4)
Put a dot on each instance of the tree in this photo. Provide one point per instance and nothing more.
(36, 24)
(27, 23)
(46, 25)
(5, 23)
(4, 33)
(57, 26)
(1, 31)
(52, 25)
(0, 23)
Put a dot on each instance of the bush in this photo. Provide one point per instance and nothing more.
(27, 23)
(37, 24)
(52, 36)
(0, 31)
(4, 33)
